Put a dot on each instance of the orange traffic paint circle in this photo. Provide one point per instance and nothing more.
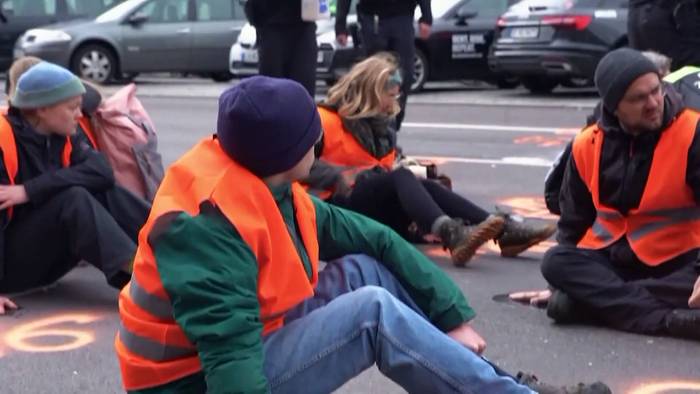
(21, 337)
(667, 387)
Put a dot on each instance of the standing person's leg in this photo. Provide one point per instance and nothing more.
(302, 65)
(273, 50)
(321, 351)
(402, 42)
(373, 38)
(69, 227)
(589, 278)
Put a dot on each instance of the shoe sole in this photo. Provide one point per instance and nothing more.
(515, 250)
(482, 233)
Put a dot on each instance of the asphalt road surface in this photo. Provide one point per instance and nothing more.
(496, 146)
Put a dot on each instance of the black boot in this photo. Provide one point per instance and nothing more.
(532, 382)
(519, 235)
(684, 323)
(463, 241)
(564, 310)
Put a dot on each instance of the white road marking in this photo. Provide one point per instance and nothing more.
(505, 161)
(487, 127)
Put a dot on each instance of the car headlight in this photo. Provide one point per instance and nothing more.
(44, 36)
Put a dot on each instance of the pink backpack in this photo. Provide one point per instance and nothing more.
(126, 135)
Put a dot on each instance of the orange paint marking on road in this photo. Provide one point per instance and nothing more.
(529, 206)
(544, 141)
(22, 337)
(667, 387)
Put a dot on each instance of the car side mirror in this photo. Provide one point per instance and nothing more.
(137, 19)
(466, 12)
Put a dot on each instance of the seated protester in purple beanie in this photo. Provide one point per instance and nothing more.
(629, 232)
(226, 295)
(57, 192)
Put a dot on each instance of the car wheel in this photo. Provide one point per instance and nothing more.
(420, 71)
(96, 63)
(508, 82)
(223, 76)
(539, 85)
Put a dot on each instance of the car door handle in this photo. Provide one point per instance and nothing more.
(185, 30)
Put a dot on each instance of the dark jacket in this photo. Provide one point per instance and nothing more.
(383, 9)
(624, 167)
(261, 13)
(40, 169)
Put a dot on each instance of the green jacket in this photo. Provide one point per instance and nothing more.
(213, 288)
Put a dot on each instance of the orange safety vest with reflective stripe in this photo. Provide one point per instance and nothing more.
(87, 129)
(340, 148)
(152, 349)
(667, 222)
(9, 153)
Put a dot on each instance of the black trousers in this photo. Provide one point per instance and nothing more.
(395, 35)
(289, 51)
(671, 28)
(398, 198)
(47, 241)
(626, 296)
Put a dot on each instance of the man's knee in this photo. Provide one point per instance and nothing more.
(75, 196)
(555, 261)
(360, 270)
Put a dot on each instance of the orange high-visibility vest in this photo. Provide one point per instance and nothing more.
(9, 153)
(667, 222)
(152, 348)
(340, 148)
(87, 129)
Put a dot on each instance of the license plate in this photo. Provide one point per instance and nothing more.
(249, 56)
(319, 57)
(524, 32)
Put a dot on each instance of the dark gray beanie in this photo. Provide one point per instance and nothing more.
(617, 71)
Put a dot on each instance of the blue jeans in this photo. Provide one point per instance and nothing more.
(359, 316)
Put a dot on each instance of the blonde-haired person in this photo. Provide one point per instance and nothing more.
(18, 67)
(355, 169)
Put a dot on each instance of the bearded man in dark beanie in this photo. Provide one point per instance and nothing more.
(629, 231)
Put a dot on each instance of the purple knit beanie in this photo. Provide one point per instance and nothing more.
(267, 124)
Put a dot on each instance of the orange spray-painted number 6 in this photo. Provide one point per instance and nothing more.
(31, 337)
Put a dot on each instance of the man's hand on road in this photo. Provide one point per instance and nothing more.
(535, 297)
(467, 336)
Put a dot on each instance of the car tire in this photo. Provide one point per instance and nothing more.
(96, 63)
(223, 76)
(420, 71)
(507, 82)
(539, 85)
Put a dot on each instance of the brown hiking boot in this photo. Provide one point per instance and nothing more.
(532, 382)
(519, 235)
(463, 241)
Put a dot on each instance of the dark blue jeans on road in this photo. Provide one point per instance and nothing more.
(361, 316)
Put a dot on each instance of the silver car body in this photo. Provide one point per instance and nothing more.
(189, 36)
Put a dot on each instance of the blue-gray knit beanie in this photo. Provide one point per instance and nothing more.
(45, 84)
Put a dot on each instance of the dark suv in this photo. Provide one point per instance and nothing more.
(552, 42)
(19, 16)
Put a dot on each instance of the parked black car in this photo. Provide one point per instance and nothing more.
(459, 43)
(550, 42)
(19, 16)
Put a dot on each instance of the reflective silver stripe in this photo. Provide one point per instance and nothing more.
(156, 306)
(150, 349)
(609, 215)
(601, 232)
(669, 217)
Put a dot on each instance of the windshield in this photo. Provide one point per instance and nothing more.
(440, 7)
(119, 11)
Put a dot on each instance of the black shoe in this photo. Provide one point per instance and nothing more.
(565, 310)
(463, 241)
(532, 382)
(520, 235)
(684, 323)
